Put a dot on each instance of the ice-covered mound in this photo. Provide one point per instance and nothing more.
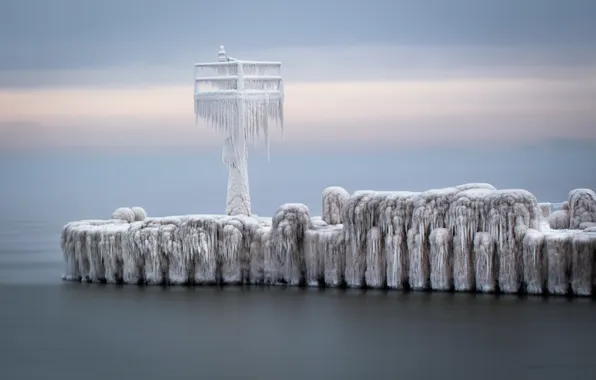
(130, 214)
(471, 237)
(579, 212)
(334, 202)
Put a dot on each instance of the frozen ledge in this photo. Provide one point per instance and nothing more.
(469, 238)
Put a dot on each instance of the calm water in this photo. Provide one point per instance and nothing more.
(50, 329)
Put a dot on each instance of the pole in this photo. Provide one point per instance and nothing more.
(236, 153)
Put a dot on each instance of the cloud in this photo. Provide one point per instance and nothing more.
(74, 35)
(376, 62)
(424, 112)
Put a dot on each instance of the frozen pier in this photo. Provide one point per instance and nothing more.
(469, 238)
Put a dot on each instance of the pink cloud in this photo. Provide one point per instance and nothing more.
(425, 112)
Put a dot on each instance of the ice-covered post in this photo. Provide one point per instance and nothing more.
(239, 99)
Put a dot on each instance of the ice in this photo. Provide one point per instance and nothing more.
(470, 237)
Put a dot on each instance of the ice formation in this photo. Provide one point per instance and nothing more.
(546, 208)
(124, 213)
(239, 99)
(334, 202)
(465, 238)
(582, 207)
(578, 212)
(441, 259)
(534, 260)
(470, 237)
(287, 263)
(559, 220)
(468, 214)
(140, 213)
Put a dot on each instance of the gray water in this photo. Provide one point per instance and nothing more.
(50, 329)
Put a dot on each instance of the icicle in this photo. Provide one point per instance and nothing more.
(395, 220)
(430, 211)
(534, 262)
(419, 266)
(231, 254)
(133, 258)
(96, 265)
(582, 263)
(80, 257)
(375, 274)
(68, 244)
(200, 248)
(485, 266)
(511, 213)
(332, 244)
(289, 225)
(558, 249)
(441, 259)
(149, 245)
(257, 256)
(467, 215)
(358, 219)
(112, 248)
(313, 257)
(271, 264)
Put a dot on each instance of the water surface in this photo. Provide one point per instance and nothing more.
(55, 330)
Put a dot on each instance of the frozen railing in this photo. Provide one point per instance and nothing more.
(232, 78)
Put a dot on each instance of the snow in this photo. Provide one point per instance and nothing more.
(485, 268)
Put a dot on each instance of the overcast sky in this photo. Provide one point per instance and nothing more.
(110, 73)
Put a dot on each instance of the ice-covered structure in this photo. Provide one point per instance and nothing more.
(462, 238)
(239, 99)
(471, 237)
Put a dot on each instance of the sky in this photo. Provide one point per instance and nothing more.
(368, 74)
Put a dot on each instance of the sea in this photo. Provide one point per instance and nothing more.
(50, 329)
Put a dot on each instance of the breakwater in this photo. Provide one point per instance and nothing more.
(470, 237)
